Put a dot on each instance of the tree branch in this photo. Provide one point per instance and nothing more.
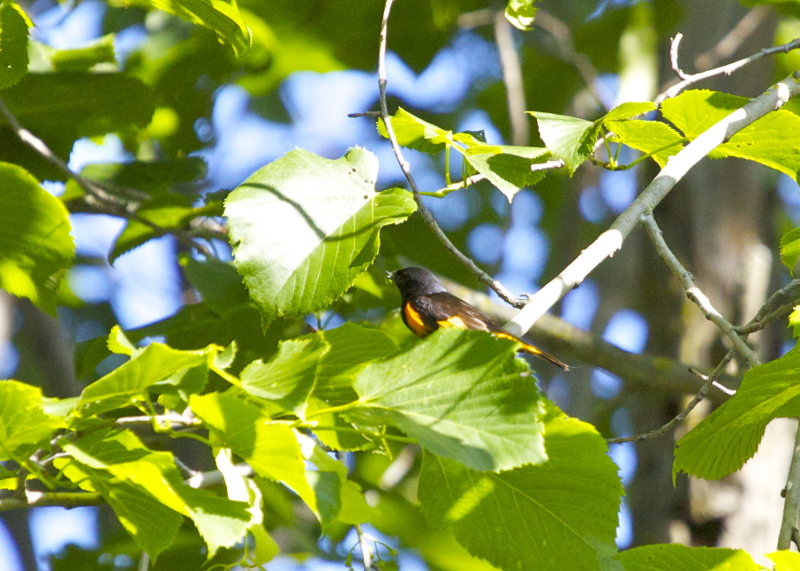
(792, 494)
(406, 169)
(693, 292)
(512, 78)
(689, 79)
(607, 244)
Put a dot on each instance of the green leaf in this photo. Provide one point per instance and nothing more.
(695, 110)
(464, 395)
(85, 57)
(685, 558)
(303, 227)
(785, 560)
(222, 16)
(221, 522)
(128, 382)
(152, 525)
(14, 26)
(286, 379)
(653, 137)
(271, 448)
(60, 108)
(506, 167)
(521, 13)
(352, 347)
(568, 138)
(790, 249)
(628, 110)
(35, 245)
(561, 514)
(217, 282)
(772, 140)
(415, 133)
(730, 435)
(153, 177)
(23, 421)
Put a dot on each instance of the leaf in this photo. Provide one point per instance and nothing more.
(628, 110)
(221, 522)
(560, 514)
(685, 558)
(696, 110)
(785, 560)
(415, 133)
(14, 26)
(464, 395)
(508, 168)
(63, 107)
(222, 16)
(35, 246)
(730, 435)
(653, 137)
(772, 140)
(521, 13)
(217, 282)
(286, 379)
(128, 382)
(271, 448)
(790, 249)
(303, 227)
(23, 421)
(352, 347)
(86, 57)
(152, 525)
(568, 138)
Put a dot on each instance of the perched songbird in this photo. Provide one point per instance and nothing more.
(427, 306)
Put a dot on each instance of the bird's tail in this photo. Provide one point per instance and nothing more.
(533, 350)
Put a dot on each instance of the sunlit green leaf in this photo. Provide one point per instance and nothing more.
(35, 245)
(222, 16)
(685, 558)
(568, 138)
(572, 500)
(464, 395)
(23, 420)
(730, 435)
(303, 227)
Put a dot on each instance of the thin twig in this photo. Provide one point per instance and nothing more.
(693, 292)
(607, 244)
(709, 381)
(366, 551)
(778, 305)
(405, 167)
(512, 78)
(689, 79)
(792, 498)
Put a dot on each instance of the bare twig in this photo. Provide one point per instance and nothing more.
(792, 498)
(676, 168)
(709, 381)
(778, 305)
(693, 292)
(689, 79)
(366, 549)
(512, 79)
(405, 167)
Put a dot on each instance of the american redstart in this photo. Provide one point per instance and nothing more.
(427, 306)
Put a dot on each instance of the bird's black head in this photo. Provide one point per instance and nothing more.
(416, 281)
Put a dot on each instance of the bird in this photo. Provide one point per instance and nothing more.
(427, 306)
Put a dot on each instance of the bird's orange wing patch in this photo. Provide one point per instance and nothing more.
(453, 321)
(415, 322)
